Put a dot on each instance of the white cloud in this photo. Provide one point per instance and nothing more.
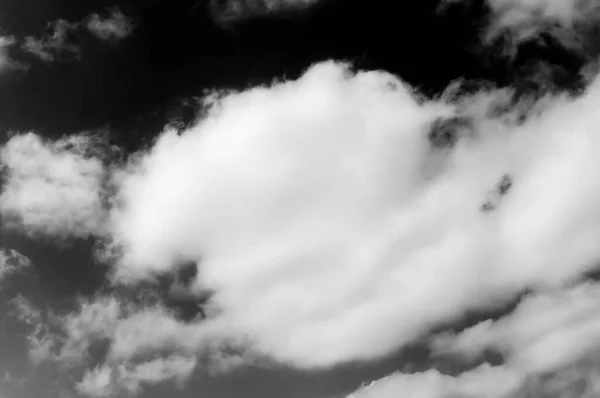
(115, 27)
(331, 231)
(52, 188)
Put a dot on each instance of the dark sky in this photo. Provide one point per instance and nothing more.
(178, 50)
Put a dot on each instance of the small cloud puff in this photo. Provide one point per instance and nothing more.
(114, 27)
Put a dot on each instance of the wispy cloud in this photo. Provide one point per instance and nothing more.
(570, 22)
(385, 245)
(39, 338)
(53, 44)
(106, 381)
(337, 238)
(230, 11)
(6, 62)
(145, 344)
(57, 41)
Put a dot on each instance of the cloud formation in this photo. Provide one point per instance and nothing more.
(339, 217)
(335, 218)
(106, 381)
(331, 230)
(52, 188)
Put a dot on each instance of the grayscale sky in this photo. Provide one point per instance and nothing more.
(299, 198)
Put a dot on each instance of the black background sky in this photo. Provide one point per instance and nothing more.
(178, 51)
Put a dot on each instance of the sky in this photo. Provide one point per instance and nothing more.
(299, 199)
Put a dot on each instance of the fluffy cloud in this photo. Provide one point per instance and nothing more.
(331, 229)
(334, 218)
(52, 188)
